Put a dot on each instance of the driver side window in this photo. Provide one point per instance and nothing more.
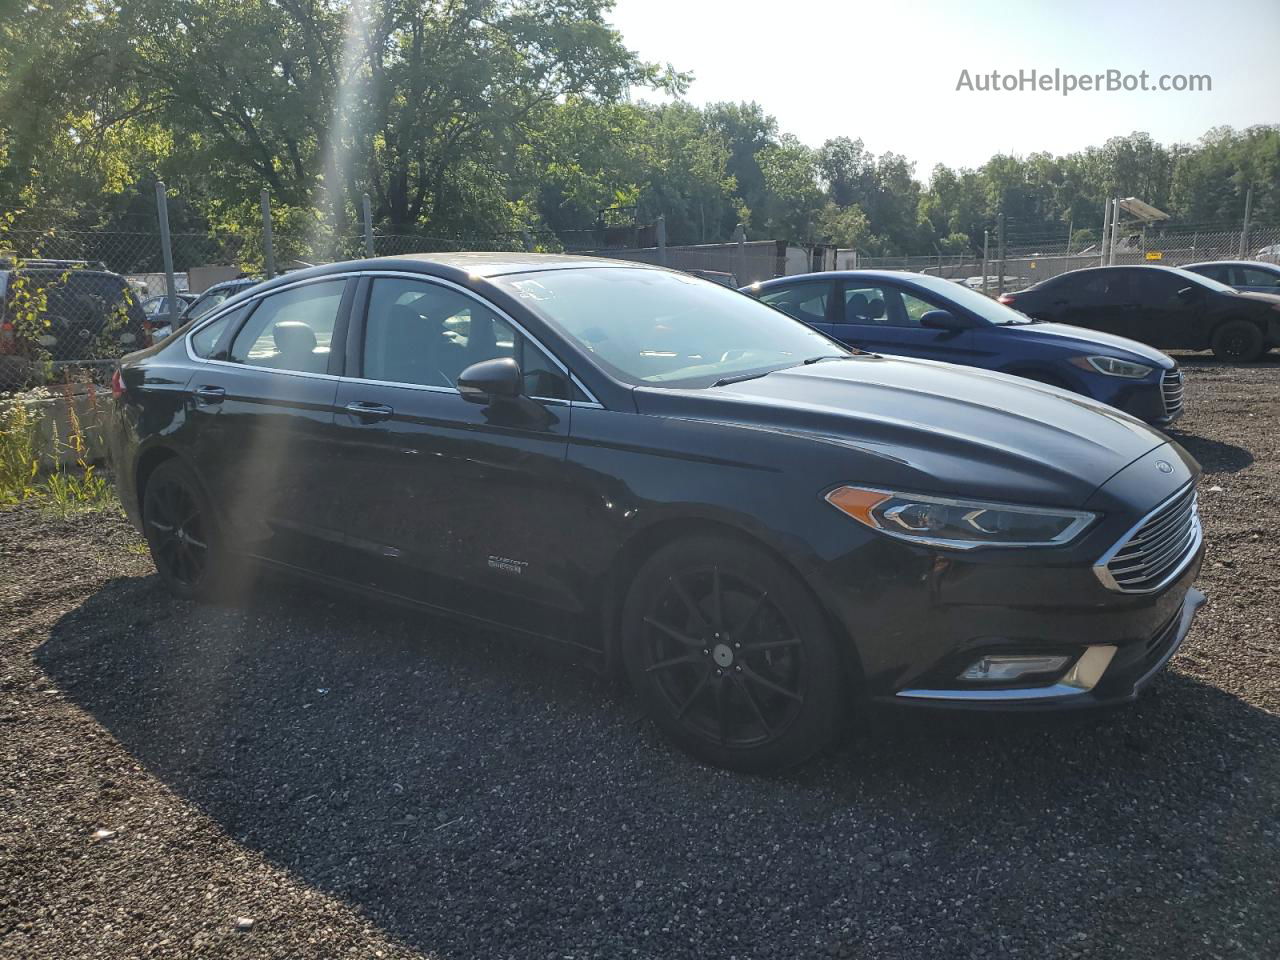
(427, 334)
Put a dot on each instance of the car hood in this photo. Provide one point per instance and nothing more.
(932, 427)
(1270, 299)
(1093, 343)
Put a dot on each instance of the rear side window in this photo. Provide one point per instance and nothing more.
(204, 340)
(291, 330)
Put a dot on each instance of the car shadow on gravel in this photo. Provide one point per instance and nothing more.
(1214, 456)
(474, 796)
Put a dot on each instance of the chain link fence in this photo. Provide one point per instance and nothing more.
(1026, 263)
(74, 301)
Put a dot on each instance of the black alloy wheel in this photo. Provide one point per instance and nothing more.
(1238, 341)
(180, 531)
(731, 655)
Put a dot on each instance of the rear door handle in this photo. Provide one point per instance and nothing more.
(368, 412)
(210, 394)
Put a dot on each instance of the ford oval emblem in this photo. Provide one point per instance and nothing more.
(1164, 466)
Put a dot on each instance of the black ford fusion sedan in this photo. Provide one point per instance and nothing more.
(762, 528)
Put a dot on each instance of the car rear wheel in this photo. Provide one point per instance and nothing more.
(181, 532)
(1238, 341)
(731, 656)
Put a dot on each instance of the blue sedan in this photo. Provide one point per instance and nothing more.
(914, 315)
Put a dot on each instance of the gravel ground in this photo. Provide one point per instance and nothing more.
(315, 777)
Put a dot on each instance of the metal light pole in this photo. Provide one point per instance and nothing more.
(368, 226)
(268, 247)
(166, 249)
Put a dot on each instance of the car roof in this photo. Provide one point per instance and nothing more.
(1233, 263)
(460, 267)
(852, 274)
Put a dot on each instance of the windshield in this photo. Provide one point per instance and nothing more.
(667, 329)
(971, 300)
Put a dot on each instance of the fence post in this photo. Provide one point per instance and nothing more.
(1115, 228)
(1244, 233)
(660, 230)
(1106, 225)
(740, 236)
(986, 239)
(268, 247)
(368, 226)
(166, 249)
(1000, 248)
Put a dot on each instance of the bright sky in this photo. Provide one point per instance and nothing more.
(888, 73)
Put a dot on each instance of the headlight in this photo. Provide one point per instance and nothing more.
(1113, 367)
(959, 524)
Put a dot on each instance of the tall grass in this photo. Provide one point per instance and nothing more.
(67, 489)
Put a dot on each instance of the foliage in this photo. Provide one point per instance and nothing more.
(487, 118)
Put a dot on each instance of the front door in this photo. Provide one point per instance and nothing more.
(883, 318)
(461, 505)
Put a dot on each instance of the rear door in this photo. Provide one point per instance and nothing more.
(1100, 300)
(809, 301)
(263, 403)
(465, 506)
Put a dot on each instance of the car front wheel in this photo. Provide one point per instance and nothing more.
(731, 656)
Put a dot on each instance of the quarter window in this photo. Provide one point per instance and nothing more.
(423, 333)
(291, 330)
(204, 340)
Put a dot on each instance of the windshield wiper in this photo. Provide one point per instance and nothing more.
(725, 381)
(827, 356)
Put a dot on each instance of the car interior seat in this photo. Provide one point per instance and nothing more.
(295, 347)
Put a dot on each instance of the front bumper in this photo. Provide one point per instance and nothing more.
(1103, 674)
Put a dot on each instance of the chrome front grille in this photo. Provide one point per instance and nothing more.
(1171, 388)
(1157, 550)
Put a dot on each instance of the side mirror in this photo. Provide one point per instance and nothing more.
(489, 380)
(943, 320)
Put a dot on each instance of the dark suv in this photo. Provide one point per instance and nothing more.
(1162, 306)
(65, 312)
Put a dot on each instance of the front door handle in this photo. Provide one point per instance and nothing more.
(369, 412)
(210, 394)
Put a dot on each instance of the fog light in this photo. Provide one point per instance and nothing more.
(998, 668)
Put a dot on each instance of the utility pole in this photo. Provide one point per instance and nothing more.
(1244, 233)
(1115, 228)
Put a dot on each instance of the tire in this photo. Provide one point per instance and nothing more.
(182, 533)
(731, 656)
(1238, 341)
